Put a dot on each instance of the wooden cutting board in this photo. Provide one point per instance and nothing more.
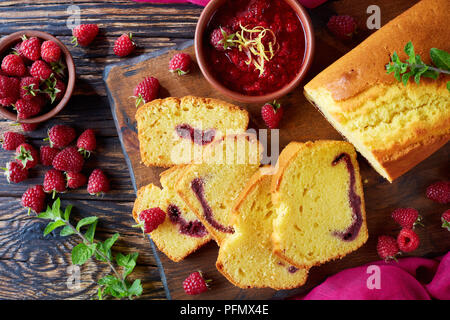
(301, 122)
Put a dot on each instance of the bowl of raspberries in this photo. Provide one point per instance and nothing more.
(37, 76)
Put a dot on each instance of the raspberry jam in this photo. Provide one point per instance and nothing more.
(237, 65)
(200, 137)
(355, 201)
(191, 228)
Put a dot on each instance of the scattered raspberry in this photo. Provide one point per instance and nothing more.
(54, 89)
(124, 45)
(11, 140)
(180, 63)
(40, 69)
(342, 27)
(9, 88)
(27, 127)
(222, 39)
(54, 182)
(75, 180)
(98, 183)
(147, 90)
(87, 143)
(439, 192)
(27, 156)
(61, 136)
(34, 199)
(47, 154)
(13, 65)
(68, 159)
(407, 240)
(387, 248)
(407, 217)
(272, 114)
(446, 220)
(195, 284)
(27, 108)
(15, 172)
(151, 219)
(29, 87)
(84, 34)
(50, 51)
(31, 48)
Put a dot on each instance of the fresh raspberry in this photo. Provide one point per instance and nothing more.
(439, 192)
(407, 217)
(31, 48)
(150, 219)
(342, 27)
(28, 108)
(407, 240)
(54, 89)
(54, 182)
(34, 199)
(87, 143)
(13, 65)
(7, 102)
(98, 183)
(47, 154)
(147, 90)
(124, 45)
(61, 136)
(195, 284)
(9, 88)
(387, 248)
(222, 39)
(40, 69)
(50, 51)
(27, 127)
(446, 220)
(84, 34)
(75, 180)
(11, 140)
(180, 63)
(27, 156)
(68, 159)
(272, 114)
(15, 172)
(29, 87)
(17, 52)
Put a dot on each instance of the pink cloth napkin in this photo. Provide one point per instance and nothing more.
(306, 3)
(409, 279)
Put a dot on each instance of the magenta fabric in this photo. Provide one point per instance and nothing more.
(409, 279)
(306, 3)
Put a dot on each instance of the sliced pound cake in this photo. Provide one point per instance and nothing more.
(319, 201)
(174, 131)
(246, 257)
(181, 233)
(211, 187)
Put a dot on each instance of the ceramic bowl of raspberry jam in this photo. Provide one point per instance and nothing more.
(254, 50)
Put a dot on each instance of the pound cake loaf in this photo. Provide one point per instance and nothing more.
(210, 188)
(393, 126)
(174, 131)
(319, 201)
(245, 257)
(181, 233)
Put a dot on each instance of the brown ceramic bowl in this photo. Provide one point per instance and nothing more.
(9, 41)
(203, 21)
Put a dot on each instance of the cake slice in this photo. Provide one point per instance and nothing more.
(393, 126)
(181, 233)
(173, 131)
(318, 196)
(245, 257)
(211, 186)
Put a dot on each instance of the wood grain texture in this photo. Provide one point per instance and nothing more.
(301, 122)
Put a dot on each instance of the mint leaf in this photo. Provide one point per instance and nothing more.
(56, 208)
(67, 212)
(66, 231)
(440, 58)
(448, 85)
(47, 214)
(128, 262)
(90, 232)
(135, 289)
(409, 49)
(81, 253)
(52, 226)
(85, 221)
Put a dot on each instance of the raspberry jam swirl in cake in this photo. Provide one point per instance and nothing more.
(192, 228)
(198, 189)
(197, 136)
(355, 201)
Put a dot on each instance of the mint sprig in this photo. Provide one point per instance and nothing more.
(416, 68)
(115, 284)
